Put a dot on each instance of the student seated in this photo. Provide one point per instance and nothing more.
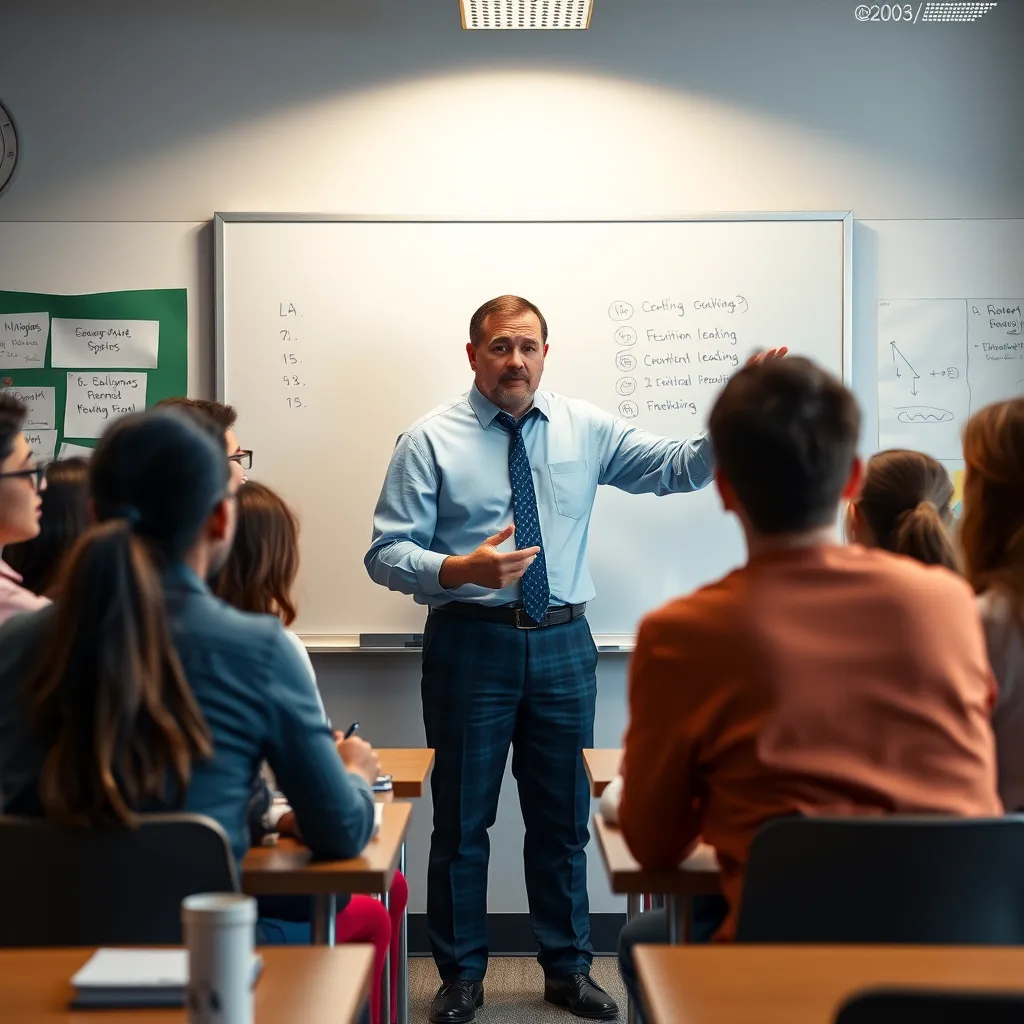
(225, 417)
(797, 683)
(140, 691)
(259, 576)
(65, 518)
(21, 481)
(992, 539)
(904, 506)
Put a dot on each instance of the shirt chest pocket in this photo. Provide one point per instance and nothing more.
(570, 485)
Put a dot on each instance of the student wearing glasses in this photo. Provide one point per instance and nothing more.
(225, 417)
(21, 482)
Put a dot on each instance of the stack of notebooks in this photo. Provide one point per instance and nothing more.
(120, 978)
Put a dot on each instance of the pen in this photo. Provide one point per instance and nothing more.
(351, 729)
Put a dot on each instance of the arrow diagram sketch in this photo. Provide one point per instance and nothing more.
(925, 401)
(898, 357)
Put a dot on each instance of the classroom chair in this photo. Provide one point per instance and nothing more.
(103, 887)
(897, 1006)
(920, 880)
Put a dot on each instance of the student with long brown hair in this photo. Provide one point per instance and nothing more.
(259, 576)
(904, 506)
(992, 540)
(65, 518)
(139, 690)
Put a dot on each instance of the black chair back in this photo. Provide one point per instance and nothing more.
(902, 879)
(102, 887)
(917, 1007)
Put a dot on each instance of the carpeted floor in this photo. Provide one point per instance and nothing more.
(513, 991)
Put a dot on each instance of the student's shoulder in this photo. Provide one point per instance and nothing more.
(21, 632)
(907, 577)
(706, 617)
(254, 642)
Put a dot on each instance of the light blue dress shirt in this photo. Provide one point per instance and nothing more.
(447, 490)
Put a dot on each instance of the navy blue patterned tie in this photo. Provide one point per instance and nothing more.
(536, 591)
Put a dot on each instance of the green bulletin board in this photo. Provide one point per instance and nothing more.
(168, 306)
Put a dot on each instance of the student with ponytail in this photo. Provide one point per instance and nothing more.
(905, 507)
(140, 691)
(992, 539)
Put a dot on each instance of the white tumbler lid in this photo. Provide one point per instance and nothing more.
(219, 908)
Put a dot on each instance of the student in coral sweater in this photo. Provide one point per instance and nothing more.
(817, 678)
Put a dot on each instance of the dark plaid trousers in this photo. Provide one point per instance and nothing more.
(486, 687)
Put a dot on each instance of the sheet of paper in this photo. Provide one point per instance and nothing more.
(42, 443)
(105, 344)
(133, 968)
(41, 406)
(995, 350)
(23, 340)
(68, 450)
(923, 395)
(95, 400)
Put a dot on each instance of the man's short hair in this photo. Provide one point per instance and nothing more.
(785, 437)
(12, 417)
(504, 305)
(223, 415)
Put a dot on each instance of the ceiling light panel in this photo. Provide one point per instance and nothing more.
(526, 14)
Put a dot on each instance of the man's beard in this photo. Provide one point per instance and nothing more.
(514, 398)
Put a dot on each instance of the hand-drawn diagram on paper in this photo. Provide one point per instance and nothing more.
(938, 361)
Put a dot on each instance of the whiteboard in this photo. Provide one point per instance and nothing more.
(335, 334)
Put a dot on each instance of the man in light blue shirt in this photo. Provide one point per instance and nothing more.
(508, 659)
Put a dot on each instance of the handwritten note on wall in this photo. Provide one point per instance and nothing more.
(23, 340)
(42, 443)
(939, 361)
(40, 402)
(96, 399)
(105, 344)
(68, 450)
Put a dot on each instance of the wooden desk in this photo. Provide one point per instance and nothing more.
(698, 875)
(408, 769)
(288, 869)
(601, 766)
(739, 984)
(299, 983)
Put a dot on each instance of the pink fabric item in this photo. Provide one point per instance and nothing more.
(366, 920)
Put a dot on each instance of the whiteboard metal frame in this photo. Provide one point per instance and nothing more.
(606, 643)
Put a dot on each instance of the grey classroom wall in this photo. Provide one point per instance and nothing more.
(167, 112)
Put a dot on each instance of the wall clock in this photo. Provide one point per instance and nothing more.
(8, 148)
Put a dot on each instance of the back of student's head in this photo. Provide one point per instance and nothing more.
(65, 518)
(992, 523)
(264, 561)
(223, 415)
(905, 502)
(110, 703)
(785, 439)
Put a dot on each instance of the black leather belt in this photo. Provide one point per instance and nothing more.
(510, 615)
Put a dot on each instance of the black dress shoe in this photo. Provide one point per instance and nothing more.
(581, 996)
(456, 1002)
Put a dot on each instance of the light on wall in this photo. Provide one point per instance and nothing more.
(526, 14)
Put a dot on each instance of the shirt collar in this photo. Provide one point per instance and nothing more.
(178, 576)
(486, 410)
(9, 573)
